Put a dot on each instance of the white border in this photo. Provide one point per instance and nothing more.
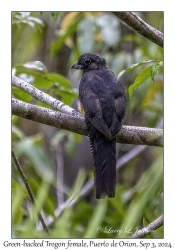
(5, 104)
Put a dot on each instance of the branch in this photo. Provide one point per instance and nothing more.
(140, 136)
(127, 134)
(135, 22)
(48, 117)
(43, 97)
(148, 229)
(29, 190)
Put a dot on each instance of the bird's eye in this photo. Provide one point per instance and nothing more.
(87, 62)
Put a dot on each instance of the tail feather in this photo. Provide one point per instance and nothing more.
(105, 168)
(104, 154)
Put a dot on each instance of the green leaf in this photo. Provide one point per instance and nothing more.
(35, 65)
(36, 20)
(56, 78)
(96, 219)
(41, 80)
(19, 18)
(62, 227)
(78, 138)
(44, 200)
(143, 76)
(35, 78)
(21, 95)
(58, 43)
(67, 96)
(145, 223)
(75, 190)
(16, 205)
(16, 185)
(17, 132)
(146, 189)
(133, 66)
(54, 84)
(156, 69)
(55, 15)
(35, 154)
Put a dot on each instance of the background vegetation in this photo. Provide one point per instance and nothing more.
(57, 163)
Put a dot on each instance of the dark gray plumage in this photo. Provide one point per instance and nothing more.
(103, 100)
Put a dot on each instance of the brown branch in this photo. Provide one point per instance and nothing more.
(29, 190)
(127, 134)
(144, 29)
(48, 117)
(140, 136)
(149, 228)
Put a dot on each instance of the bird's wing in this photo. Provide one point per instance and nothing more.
(120, 108)
(89, 97)
(93, 113)
(120, 101)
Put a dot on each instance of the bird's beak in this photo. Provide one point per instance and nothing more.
(76, 66)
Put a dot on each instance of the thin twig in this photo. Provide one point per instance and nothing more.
(146, 30)
(29, 190)
(127, 135)
(149, 228)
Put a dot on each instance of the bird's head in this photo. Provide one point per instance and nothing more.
(88, 62)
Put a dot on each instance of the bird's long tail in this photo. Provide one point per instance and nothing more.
(104, 154)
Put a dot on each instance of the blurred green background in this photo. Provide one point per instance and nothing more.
(58, 164)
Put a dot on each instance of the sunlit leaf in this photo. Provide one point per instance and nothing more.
(143, 76)
(35, 65)
(156, 69)
(133, 66)
(36, 20)
(68, 19)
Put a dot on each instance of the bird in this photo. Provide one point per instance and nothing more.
(102, 101)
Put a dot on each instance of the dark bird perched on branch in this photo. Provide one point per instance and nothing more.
(103, 102)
